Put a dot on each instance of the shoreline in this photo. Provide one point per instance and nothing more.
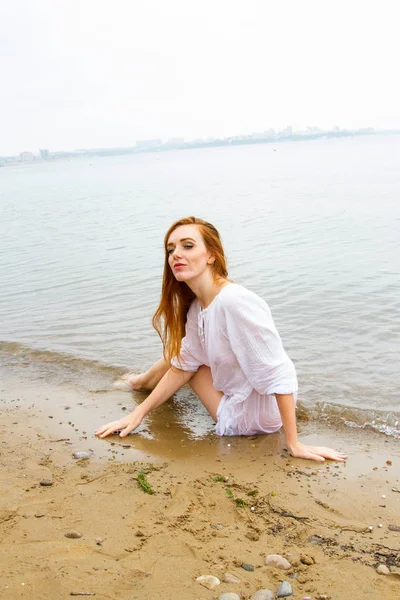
(62, 369)
(218, 503)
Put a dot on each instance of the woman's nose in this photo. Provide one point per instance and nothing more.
(176, 253)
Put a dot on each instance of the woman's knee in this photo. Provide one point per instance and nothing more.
(202, 373)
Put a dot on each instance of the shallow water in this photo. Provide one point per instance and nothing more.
(313, 227)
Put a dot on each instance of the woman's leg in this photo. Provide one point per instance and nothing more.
(144, 381)
(202, 384)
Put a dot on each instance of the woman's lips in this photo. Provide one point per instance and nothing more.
(179, 265)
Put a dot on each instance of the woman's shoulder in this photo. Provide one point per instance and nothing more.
(194, 309)
(235, 295)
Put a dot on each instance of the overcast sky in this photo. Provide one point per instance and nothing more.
(104, 73)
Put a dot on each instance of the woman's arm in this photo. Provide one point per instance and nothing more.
(288, 415)
(171, 382)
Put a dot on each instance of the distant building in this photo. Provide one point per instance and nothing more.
(44, 154)
(176, 141)
(148, 144)
(287, 131)
(26, 156)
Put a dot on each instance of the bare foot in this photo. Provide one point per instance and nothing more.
(131, 381)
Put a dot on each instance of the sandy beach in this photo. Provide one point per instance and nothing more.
(87, 527)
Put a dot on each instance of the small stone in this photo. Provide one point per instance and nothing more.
(383, 496)
(389, 462)
(276, 560)
(229, 578)
(39, 515)
(294, 559)
(46, 482)
(306, 559)
(73, 535)
(99, 541)
(307, 598)
(82, 455)
(285, 589)
(208, 581)
(247, 567)
(263, 595)
(383, 570)
(229, 596)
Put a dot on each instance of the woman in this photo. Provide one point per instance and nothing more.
(220, 338)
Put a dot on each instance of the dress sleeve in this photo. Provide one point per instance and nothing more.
(257, 345)
(191, 354)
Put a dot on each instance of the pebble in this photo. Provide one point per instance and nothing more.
(82, 455)
(229, 596)
(229, 578)
(247, 567)
(208, 581)
(383, 570)
(73, 535)
(99, 541)
(285, 589)
(276, 560)
(307, 560)
(389, 462)
(46, 482)
(263, 595)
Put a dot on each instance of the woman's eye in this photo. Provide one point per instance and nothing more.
(188, 246)
(170, 251)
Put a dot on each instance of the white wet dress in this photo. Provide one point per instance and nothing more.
(236, 337)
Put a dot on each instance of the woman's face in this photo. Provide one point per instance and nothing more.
(188, 255)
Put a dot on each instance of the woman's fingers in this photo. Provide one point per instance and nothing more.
(124, 426)
(107, 429)
(329, 453)
(318, 453)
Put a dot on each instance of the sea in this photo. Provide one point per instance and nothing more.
(313, 227)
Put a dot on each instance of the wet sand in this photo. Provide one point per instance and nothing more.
(217, 503)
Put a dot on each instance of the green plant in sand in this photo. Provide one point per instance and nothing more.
(143, 483)
(240, 502)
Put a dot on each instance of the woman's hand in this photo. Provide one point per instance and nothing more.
(170, 383)
(318, 453)
(126, 424)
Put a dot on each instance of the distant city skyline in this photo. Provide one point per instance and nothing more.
(97, 74)
(158, 145)
(44, 153)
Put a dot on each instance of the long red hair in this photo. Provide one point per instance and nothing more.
(176, 297)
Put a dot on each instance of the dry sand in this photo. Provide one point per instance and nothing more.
(217, 503)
